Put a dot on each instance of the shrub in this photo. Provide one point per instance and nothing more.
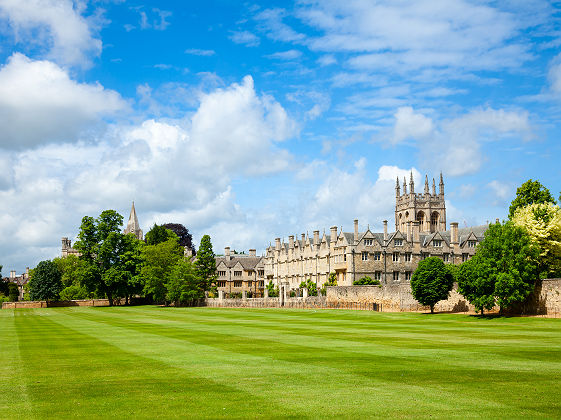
(73, 292)
(331, 281)
(273, 291)
(13, 293)
(311, 286)
(366, 281)
(292, 293)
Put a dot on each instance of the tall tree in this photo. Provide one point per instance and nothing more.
(542, 221)
(529, 193)
(206, 262)
(185, 238)
(185, 285)
(431, 282)
(158, 234)
(158, 263)
(504, 269)
(45, 282)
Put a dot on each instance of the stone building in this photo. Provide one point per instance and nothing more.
(20, 281)
(238, 273)
(390, 257)
(133, 226)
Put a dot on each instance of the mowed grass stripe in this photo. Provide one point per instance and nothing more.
(75, 374)
(403, 375)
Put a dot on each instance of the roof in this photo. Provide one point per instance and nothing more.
(247, 262)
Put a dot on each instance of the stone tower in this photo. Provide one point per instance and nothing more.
(133, 226)
(428, 208)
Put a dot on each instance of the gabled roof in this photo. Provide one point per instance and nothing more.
(246, 262)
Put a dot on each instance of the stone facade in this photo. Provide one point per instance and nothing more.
(239, 273)
(390, 257)
(20, 281)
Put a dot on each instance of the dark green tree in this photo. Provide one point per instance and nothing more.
(206, 262)
(273, 291)
(13, 292)
(158, 263)
(366, 281)
(158, 234)
(431, 282)
(503, 271)
(45, 282)
(185, 238)
(311, 286)
(529, 193)
(185, 285)
(74, 292)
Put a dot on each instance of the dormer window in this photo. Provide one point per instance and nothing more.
(398, 242)
(472, 244)
(437, 243)
(368, 242)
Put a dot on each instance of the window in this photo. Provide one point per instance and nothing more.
(364, 256)
(237, 273)
(408, 275)
(249, 272)
(437, 243)
(261, 283)
(221, 284)
(377, 275)
(377, 256)
(395, 257)
(368, 242)
(407, 257)
(344, 257)
(261, 273)
(398, 242)
(238, 283)
(472, 244)
(465, 257)
(222, 274)
(249, 283)
(445, 257)
(396, 276)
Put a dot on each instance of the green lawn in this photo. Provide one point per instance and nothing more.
(203, 362)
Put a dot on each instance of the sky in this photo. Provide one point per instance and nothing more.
(254, 120)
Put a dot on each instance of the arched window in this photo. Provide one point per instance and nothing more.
(434, 221)
(421, 219)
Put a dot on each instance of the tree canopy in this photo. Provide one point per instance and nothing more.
(206, 262)
(528, 193)
(431, 282)
(158, 262)
(503, 271)
(159, 234)
(185, 284)
(45, 282)
(185, 238)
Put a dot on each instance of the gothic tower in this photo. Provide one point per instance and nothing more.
(428, 208)
(133, 226)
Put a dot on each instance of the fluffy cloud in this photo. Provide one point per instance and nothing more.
(39, 102)
(410, 124)
(555, 75)
(56, 25)
(245, 37)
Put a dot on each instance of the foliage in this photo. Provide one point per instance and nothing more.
(311, 286)
(74, 292)
(185, 238)
(159, 234)
(184, 284)
(273, 291)
(235, 295)
(45, 282)
(206, 262)
(542, 221)
(366, 281)
(503, 271)
(529, 193)
(158, 263)
(13, 292)
(431, 282)
(69, 268)
(331, 281)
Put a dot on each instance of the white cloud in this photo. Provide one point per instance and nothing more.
(327, 60)
(196, 51)
(245, 37)
(286, 55)
(56, 25)
(271, 22)
(554, 75)
(409, 124)
(501, 192)
(39, 102)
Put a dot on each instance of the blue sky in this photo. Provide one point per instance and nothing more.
(251, 121)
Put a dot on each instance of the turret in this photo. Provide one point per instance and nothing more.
(426, 184)
(433, 187)
(397, 192)
(411, 184)
(404, 186)
(441, 186)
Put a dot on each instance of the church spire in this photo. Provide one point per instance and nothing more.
(433, 187)
(426, 184)
(133, 226)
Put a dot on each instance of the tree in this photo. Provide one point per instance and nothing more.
(206, 262)
(503, 270)
(542, 221)
(74, 292)
(68, 267)
(431, 282)
(13, 292)
(529, 193)
(273, 291)
(45, 282)
(185, 238)
(184, 284)
(158, 234)
(366, 281)
(311, 286)
(158, 263)
(331, 281)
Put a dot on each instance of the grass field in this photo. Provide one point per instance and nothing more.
(202, 362)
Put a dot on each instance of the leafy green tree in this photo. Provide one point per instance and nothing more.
(159, 234)
(45, 282)
(206, 262)
(273, 291)
(185, 285)
(366, 281)
(529, 193)
(158, 263)
(542, 221)
(74, 292)
(431, 282)
(13, 292)
(503, 271)
(331, 281)
(311, 286)
(68, 266)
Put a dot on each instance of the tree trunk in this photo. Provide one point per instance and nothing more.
(432, 309)
(110, 298)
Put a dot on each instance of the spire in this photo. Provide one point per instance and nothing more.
(411, 184)
(404, 186)
(133, 226)
(433, 187)
(441, 185)
(397, 194)
(426, 184)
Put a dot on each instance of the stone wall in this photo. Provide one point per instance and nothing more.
(297, 302)
(59, 304)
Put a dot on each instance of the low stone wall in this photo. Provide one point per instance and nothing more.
(310, 302)
(58, 304)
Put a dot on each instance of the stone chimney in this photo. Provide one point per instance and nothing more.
(227, 253)
(333, 237)
(12, 274)
(385, 230)
(409, 238)
(277, 244)
(316, 237)
(291, 241)
(252, 253)
(454, 233)
(303, 239)
(356, 230)
(416, 230)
